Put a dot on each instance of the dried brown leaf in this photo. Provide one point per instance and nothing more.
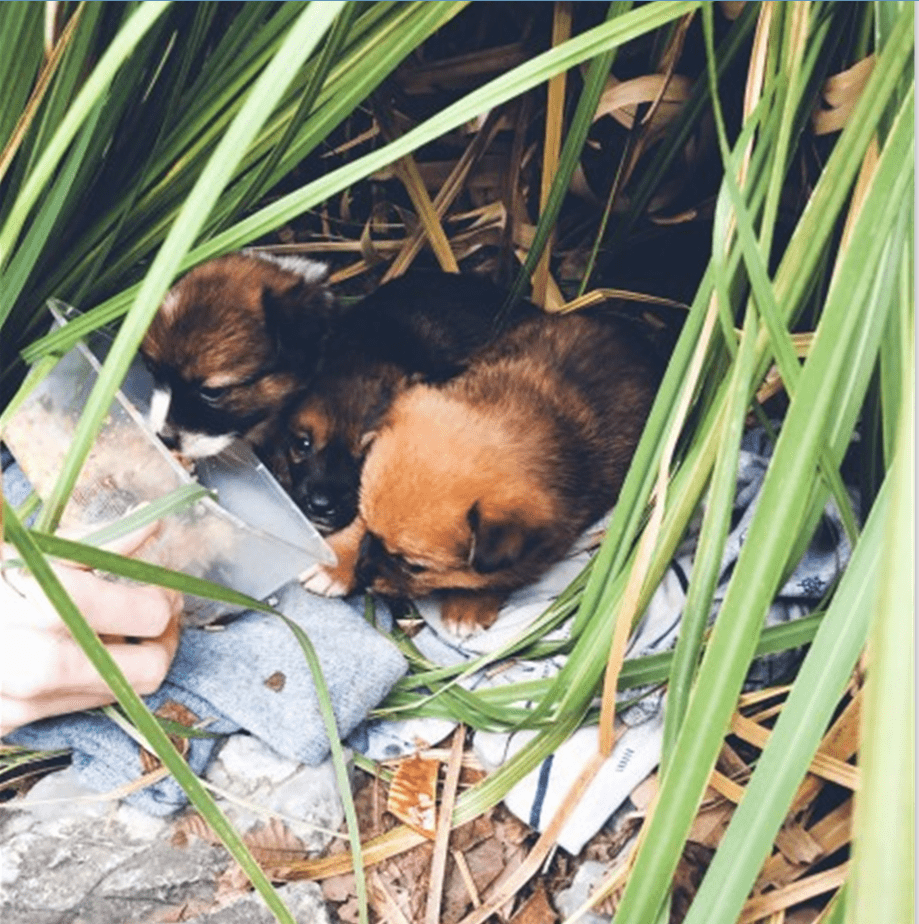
(797, 845)
(536, 909)
(764, 905)
(413, 793)
(339, 889)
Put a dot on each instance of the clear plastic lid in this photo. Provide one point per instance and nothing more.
(253, 539)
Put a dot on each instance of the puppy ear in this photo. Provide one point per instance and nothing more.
(497, 544)
(298, 316)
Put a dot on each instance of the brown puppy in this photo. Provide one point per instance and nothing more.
(319, 454)
(233, 342)
(422, 326)
(473, 489)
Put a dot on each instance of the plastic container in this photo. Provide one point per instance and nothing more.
(253, 538)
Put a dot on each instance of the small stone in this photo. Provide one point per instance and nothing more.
(585, 881)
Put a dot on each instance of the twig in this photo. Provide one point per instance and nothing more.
(442, 839)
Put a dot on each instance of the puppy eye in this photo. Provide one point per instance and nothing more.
(304, 442)
(211, 395)
(415, 568)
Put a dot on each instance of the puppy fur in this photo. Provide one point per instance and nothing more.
(319, 455)
(424, 326)
(235, 340)
(474, 488)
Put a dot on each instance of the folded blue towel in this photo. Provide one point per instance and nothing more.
(249, 675)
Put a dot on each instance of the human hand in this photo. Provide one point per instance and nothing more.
(44, 672)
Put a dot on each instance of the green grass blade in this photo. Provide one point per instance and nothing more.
(575, 136)
(92, 92)
(883, 882)
(515, 82)
(764, 554)
(710, 550)
(21, 28)
(338, 762)
(141, 571)
(363, 69)
(49, 215)
(297, 46)
(138, 713)
(794, 740)
(763, 294)
(257, 184)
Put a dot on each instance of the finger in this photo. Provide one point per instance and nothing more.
(127, 544)
(113, 608)
(144, 611)
(17, 712)
(43, 666)
(134, 540)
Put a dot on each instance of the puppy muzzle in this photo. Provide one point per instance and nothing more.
(377, 571)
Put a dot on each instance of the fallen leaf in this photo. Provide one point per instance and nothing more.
(413, 794)
(536, 909)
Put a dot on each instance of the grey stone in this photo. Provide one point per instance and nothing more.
(303, 900)
(585, 881)
(68, 857)
(304, 797)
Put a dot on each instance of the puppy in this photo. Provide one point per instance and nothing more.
(319, 455)
(474, 488)
(424, 326)
(233, 342)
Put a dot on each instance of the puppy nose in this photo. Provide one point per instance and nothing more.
(320, 503)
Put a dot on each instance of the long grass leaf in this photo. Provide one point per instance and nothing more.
(141, 571)
(338, 762)
(138, 713)
(570, 156)
(144, 17)
(256, 185)
(883, 882)
(299, 43)
(517, 81)
(764, 554)
(797, 734)
(755, 262)
(710, 550)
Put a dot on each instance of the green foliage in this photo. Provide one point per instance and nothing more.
(146, 141)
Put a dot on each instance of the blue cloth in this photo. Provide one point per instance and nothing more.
(250, 675)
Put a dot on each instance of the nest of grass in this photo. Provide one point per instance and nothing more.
(638, 221)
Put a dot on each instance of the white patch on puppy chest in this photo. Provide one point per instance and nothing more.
(201, 445)
(159, 407)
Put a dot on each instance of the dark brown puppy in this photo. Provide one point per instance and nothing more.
(233, 342)
(421, 327)
(473, 489)
(319, 454)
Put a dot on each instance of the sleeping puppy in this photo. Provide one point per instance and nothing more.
(421, 327)
(233, 342)
(472, 489)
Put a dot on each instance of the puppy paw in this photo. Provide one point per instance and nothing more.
(465, 615)
(339, 580)
(324, 581)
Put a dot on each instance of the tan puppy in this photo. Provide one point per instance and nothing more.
(473, 489)
(424, 326)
